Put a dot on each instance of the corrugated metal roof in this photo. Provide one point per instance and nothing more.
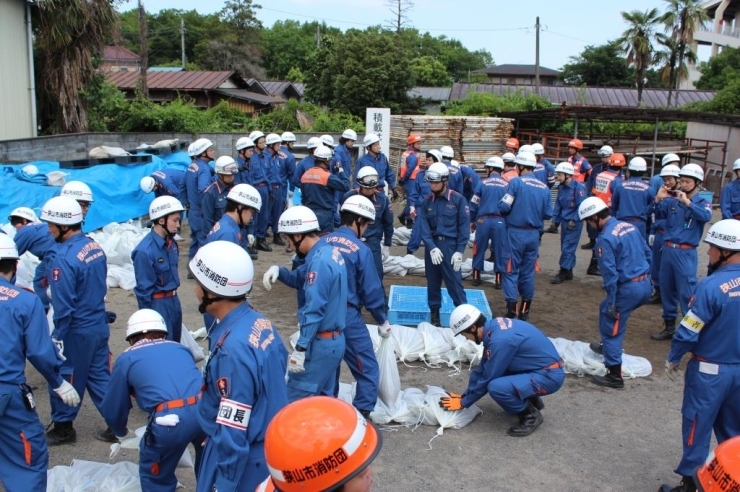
(119, 53)
(300, 87)
(166, 69)
(198, 80)
(250, 96)
(431, 93)
(589, 96)
(275, 86)
(512, 69)
(256, 86)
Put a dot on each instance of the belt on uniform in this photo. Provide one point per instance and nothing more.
(162, 295)
(639, 278)
(679, 246)
(182, 402)
(495, 216)
(444, 238)
(275, 187)
(736, 216)
(260, 185)
(633, 219)
(554, 365)
(328, 334)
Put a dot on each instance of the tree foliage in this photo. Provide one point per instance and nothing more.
(485, 104)
(720, 70)
(637, 43)
(240, 17)
(428, 72)
(599, 66)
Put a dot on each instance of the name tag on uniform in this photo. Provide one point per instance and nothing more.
(707, 368)
(507, 199)
(233, 414)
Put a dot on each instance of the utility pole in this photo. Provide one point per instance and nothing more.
(537, 57)
(318, 35)
(182, 41)
(144, 51)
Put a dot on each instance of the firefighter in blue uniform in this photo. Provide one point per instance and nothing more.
(245, 149)
(25, 457)
(407, 174)
(444, 221)
(319, 185)
(259, 171)
(623, 258)
(307, 162)
(343, 152)
(455, 182)
(470, 178)
(375, 158)
(77, 277)
(605, 153)
(669, 174)
(656, 182)
(633, 199)
(526, 205)
(488, 223)
(419, 192)
(544, 171)
(684, 213)
(170, 399)
(318, 353)
(34, 237)
(289, 140)
(709, 331)
(571, 194)
(166, 182)
(81, 193)
(155, 261)
(279, 175)
(729, 202)
(519, 366)
(197, 179)
(213, 201)
(381, 230)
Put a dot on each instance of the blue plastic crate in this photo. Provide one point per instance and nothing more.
(408, 305)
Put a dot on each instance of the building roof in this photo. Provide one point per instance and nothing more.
(300, 87)
(166, 69)
(512, 69)
(431, 93)
(119, 53)
(250, 96)
(255, 85)
(197, 80)
(589, 96)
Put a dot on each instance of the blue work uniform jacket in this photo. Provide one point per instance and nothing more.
(570, 197)
(526, 203)
(684, 225)
(171, 182)
(155, 266)
(448, 216)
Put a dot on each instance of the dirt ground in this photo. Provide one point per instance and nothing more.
(592, 438)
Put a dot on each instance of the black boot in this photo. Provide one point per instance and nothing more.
(511, 310)
(401, 219)
(252, 252)
(524, 309)
(409, 223)
(687, 485)
(62, 433)
(536, 402)
(596, 347)
(106, 436)
(278, 240)
(529, 420)
(499, 278)
(476, 277)
(655, 298)
(553, 229)
(562, 276)
(263, 246)
(593, 268)
(589, 245)
(435, 317)
(669, 328)
(612, 379)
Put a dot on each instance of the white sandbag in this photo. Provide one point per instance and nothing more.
(409, 343)
(580, 360)
(189, 342)
(373, 331)
(437, 341)
(163, 144)
(104, 151)
(122, 276)
(186, 460)
(467, 349)
(88, 476)
(389, 386)
(446, 419)
(416, 403)
(347, 392)
(56, 178)
(381, 414)
(635, 367)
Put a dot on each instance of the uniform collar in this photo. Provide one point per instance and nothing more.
(77, 237)
(236, 313)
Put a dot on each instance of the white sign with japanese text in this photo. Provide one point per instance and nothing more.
(378, 120)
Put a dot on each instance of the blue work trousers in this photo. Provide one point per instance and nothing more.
(40, 284)
(569, 244)
(493, 229)
(640, 225)
(415, 238)
(171, 311)
(524, 246)
(197, 232)
(326, 221)
(262, 219)
(253, 470)
(512, 390)
(408, 187)
(277, 206)
(436, 273)
(630, 296)
(677, 280)
(323, 357)
(360, 358)
(657, 250)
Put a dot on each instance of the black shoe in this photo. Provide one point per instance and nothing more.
(435, 318)
(589, 245)
(511, 310)
(536, 402)
(596, 347)
(669, 328)
(62, 433)
(687, 485)
(277, 240)
(562, 276)
(190, 276)
(524, 309)
(593, 268)
(409, 223)
(490, 258)
(655, 298)
(612, 379)
(252, 252)
(401, 219)
(106, 436)
(409, 252)
(366, 414)
(263, 246)
(499, 278)
(476, 277)
(529, 420)
(553, 229)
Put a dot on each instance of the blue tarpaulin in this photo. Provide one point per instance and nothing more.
(116, 192)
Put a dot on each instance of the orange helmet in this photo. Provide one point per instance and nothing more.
(617, 160)
(319, 443)
(413, 138)
(512, 143)
(712, 476)
(576, 143)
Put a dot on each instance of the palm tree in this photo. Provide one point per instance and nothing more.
(682, 19)
(637, 42)
(670, 72)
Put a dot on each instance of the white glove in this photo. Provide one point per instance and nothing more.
(670, 370)
(457, 261)
(295, 363)
(651, 239)
(250, 240)
(385, 252)
(412, 212)
(384, 330)
(68, 394)
(59, 345)
(270, 277)
(437, 256)
(169, 420)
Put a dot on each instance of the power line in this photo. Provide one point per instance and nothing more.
(545, 29)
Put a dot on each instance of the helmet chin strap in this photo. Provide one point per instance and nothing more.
(59, 238)
(722, 259)
(298, 246)
(169, 233)
(207, 301)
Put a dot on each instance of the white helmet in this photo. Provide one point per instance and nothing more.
(637, 164)
(244, 143)
(436, 153)
(669, 158)
(605, 151)
(692, 171)
(725, 234)
(368, 177)
(454, 163)
(145, 321)
(538, 149)
(508, 158)
(327, 140)
(359, 205)
(8, 249)
(313, 142)
(272, 139)
(256, 135)
(322, 153)
(246, 195)
(437, 173)
(226, 165)
(525, 148)
(447, 151)
(526, 159)
(147, 184)
(298, 220)
(30, 169)
(565, 168)
(24, 213)
(736, 165)
(463, 317)
(62, 210)
(224, 269)
(191, 150)
(200, 146)
(495, 162)
(77, 190)
(349, 134)
(370, 139)
(287, 137)
(591, 206)
(163, 206)
(670, 170)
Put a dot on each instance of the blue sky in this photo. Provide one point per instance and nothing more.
(504, 28)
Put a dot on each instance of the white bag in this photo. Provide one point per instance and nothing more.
(189, 342)
(437, 341)
(409, 343)
(446, 419)
(347, 392)
(389, 386)
(416, 403)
